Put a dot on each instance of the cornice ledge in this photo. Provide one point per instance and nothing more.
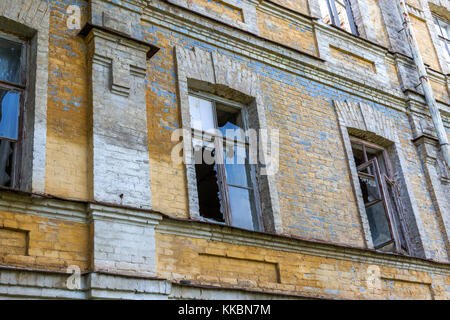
(282, 12)
(98, 211)
(131, 5)
(213, 232)
(260, 49)
(43, 206)
(362, 43)
(90, 30)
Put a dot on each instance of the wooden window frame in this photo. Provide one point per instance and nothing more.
(334, 16)
(219, 143)
(437, 21)
(385, 179)
(20, 88)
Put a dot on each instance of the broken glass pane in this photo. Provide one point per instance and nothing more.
(10, 61)
(369, 187)
(242, 208)
(229, 122)
(236, 165)
(9, 114)
(379, 225)
(201, 110)
(209, 196)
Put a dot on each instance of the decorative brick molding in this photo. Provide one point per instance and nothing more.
(219, 70)
(31, 20)
(120, 160)
(364, 117)
(436, 171)
(248, 9)
(123, 240)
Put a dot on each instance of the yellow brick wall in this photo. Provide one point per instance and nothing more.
(296, 5)
(392, 72)
(284, 32)
(377, 22)
(221, 8)
(43, 243)
(314, 181)
(67, 110)
(414, 3)
(426, 46)
(168, 180)
(440, 90)
(218, 263)
(351, 60)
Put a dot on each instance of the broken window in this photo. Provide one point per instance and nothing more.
(381, 197)
(11, 94)
(443, 32)
(338, 13)
(225, 178)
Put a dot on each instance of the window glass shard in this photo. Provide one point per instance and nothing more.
(10, 61)
(379, 225)
(209, 196)
(9, 114)
(242, 206)
(236, 165)
(202, 117)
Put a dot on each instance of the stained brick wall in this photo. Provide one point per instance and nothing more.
(226, 265)
(29, 241)
(314, 179)
(426, 47)
(289, 33)
(68, 112)
(314, 183)
(297, 5)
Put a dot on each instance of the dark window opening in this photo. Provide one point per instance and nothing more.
(381, 198)
(226, 185)
(208, 189)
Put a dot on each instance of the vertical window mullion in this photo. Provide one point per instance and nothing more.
(349, 10)
(397, 203)
(253, 175)
(383, 190)
(333, 13)
(18, 147)
(218, 142)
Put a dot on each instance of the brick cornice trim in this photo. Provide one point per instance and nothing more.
(219, 233)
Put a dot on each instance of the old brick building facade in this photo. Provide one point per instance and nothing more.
(93, 205)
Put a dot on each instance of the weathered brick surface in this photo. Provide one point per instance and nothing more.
(287, 32)
(43, 243)
(68, 108)
(353, 61)
(109, 124)
(427, 48)
(216, 263)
